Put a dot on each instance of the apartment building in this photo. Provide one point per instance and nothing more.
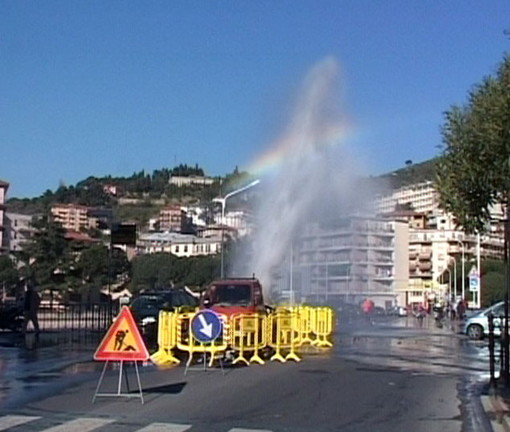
(3, 193)
(433, 252)
(172, 218)
(181, 245)
(72, 217)
(423, 197)
(191, 181)
(348, 260)
(18, 230)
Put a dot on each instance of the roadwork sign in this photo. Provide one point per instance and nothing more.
(206, 326)
(123, 340)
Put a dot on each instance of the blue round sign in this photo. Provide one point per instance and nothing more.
(206, 326)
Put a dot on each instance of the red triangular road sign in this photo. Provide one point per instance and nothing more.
(123, 340)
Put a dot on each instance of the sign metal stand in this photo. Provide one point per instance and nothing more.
(205, 327)
(122, 371)
(205, 366)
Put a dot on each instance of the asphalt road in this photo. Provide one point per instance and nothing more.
(392, 376)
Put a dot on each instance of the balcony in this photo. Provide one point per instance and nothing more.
(425, 266)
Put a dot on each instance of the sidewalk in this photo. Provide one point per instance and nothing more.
(497, 407)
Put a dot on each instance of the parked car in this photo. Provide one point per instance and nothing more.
(399, 311)
(379, 311)
(476, 326)
(147, 305)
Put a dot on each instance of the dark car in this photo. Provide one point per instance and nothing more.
(147, 305)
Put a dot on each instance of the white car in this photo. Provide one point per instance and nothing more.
(477, 326)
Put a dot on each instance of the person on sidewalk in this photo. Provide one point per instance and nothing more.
(31, 307)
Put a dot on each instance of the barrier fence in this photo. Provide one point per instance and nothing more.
(250, 337)
(70, 317)
(78, 317)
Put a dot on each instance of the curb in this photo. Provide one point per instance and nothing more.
(497, 411)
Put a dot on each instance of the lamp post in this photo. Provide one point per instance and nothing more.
(463, 270)
(223, 202)
(454, 279)
(449, 290)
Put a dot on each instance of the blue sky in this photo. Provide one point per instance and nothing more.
(113, 87)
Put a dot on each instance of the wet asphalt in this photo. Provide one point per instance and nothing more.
(33, 368)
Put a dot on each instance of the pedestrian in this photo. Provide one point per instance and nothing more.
(453, 311)
(461, 309)
(31, 307)
(368, 307)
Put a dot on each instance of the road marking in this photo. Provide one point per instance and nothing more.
(248, 430)
(80, 425)
(164, 427)
(10, 421)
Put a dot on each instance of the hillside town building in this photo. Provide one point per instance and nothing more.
(181, 245)
(3, 192)
(18, 230)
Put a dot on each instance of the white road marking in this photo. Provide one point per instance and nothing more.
(83, 424)
(164, 427)
(10, 421)
(248, 430)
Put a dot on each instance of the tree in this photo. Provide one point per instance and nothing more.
(163, 270)
(8, 275)
(47, 253)
(96, 267)
(474, 171)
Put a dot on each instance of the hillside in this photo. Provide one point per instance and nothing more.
(136, 198)
(142, 195)
(411, 173)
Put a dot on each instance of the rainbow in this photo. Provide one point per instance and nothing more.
(283, 148)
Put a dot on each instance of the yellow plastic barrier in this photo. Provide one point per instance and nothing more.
(303, 324)
(322, 326)
(166, 340)
(282, 334)
(285, 331)
(186, 341)
(248, 335)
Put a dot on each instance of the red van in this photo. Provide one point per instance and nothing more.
(234, 296)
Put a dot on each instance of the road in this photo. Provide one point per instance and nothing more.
(391, 376)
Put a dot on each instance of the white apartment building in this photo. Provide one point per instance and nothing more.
(423, 197)
(348, 260)
(191, 181)
(18, 230)
(181, 245)
(439, 243)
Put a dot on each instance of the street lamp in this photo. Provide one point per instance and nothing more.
(223, 202)
(449, 284)
(463, 270)
(454, 279)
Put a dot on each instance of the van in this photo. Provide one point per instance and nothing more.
(234, 296)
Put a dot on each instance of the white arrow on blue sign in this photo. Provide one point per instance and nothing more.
(474, 283)
(206, 326)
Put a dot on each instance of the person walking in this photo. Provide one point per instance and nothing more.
(367, 307)
(31, 307)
